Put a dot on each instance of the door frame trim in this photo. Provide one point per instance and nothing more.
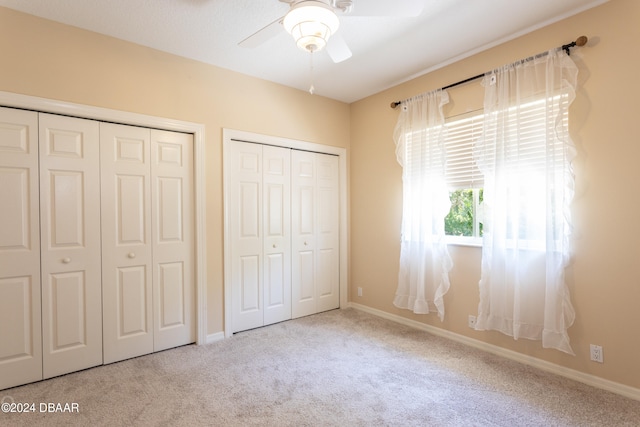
(230, 135)
(27, 102)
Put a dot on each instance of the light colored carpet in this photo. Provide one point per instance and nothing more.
(339, 368)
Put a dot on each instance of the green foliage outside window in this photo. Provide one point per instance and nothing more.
(461, 220)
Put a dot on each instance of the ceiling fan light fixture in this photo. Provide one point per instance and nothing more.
(311, 23)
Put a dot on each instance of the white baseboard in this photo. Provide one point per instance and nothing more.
(218, 336)
(592, 380)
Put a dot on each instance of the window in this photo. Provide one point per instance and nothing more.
(464, 180)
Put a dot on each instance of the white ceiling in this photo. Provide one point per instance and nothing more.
(386, 50)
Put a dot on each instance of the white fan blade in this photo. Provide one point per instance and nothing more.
(400, 8)
(337, 48)
(261, 36)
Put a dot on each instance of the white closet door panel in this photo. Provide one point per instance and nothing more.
(126, 244)
(275, 278)
(132, 297)
(307, 206)
(68, 326)
(249, 226)
(66, 213)
(173, 240)
(15, 220)
(170, 204)
(303, 288)
(245, 221)
(276, 185)
(249, 288)
(15, 303)
(172, 291)
(70, 244)
(315, 229)
(328, 259)
(19, 216)
(307, 277)
(20, 327)
(20, 348)
(303, 225)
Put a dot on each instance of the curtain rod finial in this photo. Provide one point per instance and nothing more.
(581, 41)
(394, 104)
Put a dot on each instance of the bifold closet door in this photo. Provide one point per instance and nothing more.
(172, 219)
(126, 241)
(70, 244)
(20, 321)
(259, 220)
(276, 190)
(147, 240)
(315, 233)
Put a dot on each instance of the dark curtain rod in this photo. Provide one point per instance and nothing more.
(580, 41)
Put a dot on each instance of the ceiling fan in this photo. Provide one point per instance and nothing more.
(313, 23)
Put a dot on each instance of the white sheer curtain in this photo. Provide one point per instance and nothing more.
(525, 155)
(424, 259)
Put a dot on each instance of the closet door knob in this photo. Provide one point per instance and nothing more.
(274, 246)
(305, 243)
(131, 255)
(66, 260)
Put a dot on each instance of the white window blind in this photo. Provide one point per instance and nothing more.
(527, 138)
(461, 170)
(530, 141)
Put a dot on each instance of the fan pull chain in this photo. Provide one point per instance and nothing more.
(311, 88)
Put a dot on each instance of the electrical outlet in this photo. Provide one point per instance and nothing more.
(472, 321)
(359, 291)
(596, 353)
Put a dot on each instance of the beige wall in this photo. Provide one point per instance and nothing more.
(45, 59)
(604, 279)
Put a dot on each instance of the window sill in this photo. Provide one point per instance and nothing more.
(475, 242)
